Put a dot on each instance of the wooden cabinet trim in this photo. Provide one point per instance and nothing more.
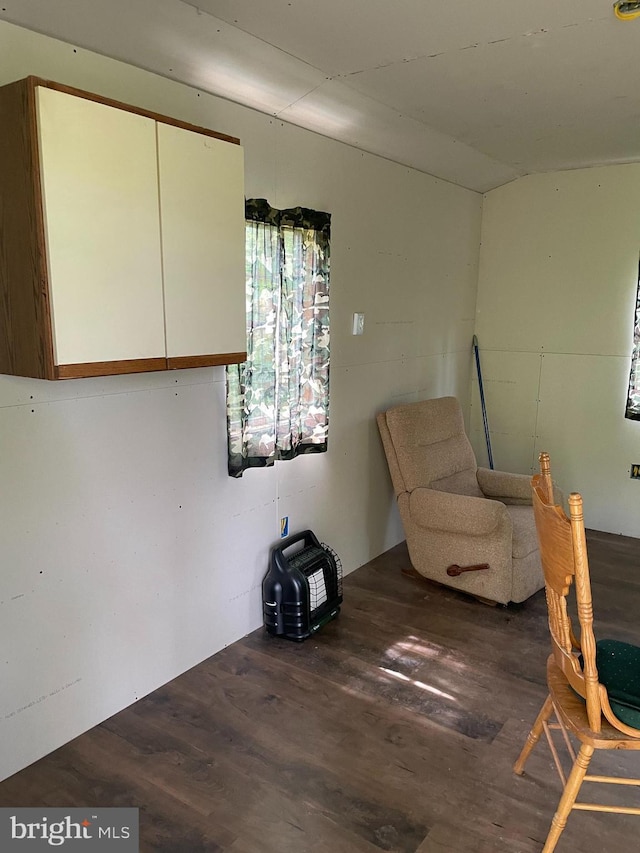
(26, 342)
(110, 102)
(181, 362)
(109, 368)
(145, 365)
(44, 287)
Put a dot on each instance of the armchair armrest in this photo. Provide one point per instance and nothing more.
(454, 513)
(502, 486)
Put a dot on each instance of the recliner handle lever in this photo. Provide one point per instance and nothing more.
(454, 571)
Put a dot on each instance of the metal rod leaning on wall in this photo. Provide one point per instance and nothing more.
(487, 436)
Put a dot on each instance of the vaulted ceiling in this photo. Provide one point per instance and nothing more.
(477, 92)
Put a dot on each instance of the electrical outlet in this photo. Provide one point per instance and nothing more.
(358, 324)
(635, 471)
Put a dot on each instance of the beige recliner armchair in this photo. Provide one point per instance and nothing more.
(457, 516)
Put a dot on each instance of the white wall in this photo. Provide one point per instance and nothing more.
(555, 313)
(127, 555)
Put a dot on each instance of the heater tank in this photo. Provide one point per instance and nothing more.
(302, 589)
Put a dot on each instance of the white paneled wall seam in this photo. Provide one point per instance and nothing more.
(556, 300)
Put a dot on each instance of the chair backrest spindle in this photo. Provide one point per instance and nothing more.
(545, 471)
(585, 612)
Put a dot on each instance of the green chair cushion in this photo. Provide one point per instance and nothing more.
(619, 670)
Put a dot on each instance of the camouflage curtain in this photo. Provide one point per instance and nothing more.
(633, 399)
(278, 399)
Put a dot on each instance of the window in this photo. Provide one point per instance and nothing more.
(633, 397)
(278, 399)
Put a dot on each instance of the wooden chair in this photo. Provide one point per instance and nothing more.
(594, 688)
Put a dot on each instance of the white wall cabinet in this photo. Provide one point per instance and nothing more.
(99, 180)
(125, 247)
(202, 229)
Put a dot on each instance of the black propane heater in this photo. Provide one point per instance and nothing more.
(301, 592)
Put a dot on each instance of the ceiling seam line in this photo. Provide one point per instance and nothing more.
(202, 11)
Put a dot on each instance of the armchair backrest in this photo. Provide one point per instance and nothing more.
(426, 445)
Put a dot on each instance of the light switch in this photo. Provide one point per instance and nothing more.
(358, 324)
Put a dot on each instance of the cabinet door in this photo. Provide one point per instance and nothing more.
(202, 211)
(102, 226)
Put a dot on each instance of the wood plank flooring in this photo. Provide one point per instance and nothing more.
(394, 728)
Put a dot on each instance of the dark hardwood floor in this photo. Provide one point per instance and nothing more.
(394, 728)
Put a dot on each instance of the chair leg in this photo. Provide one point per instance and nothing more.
(534, 736)
(569, 796)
